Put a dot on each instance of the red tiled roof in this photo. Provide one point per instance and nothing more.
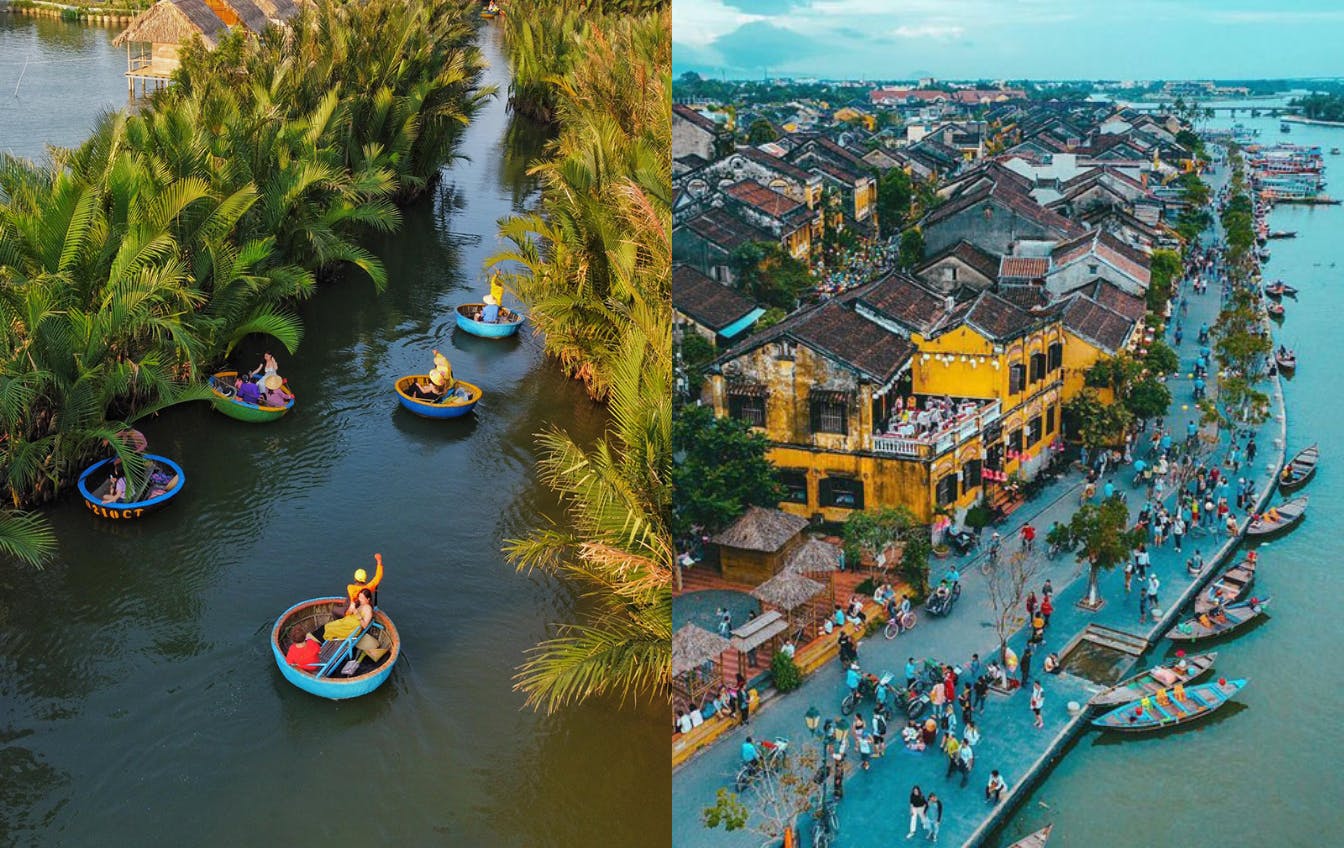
(1105, 246)
(708, 302)
(787, 169)
(1020, 203)
(905, 301)
(1118, 300)
(1023, 267)
(984, 262)
(1089, 320)
(855, 340)
(689, 114)
(998, 319)
(760, 197)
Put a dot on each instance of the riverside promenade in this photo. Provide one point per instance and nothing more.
(875, 809)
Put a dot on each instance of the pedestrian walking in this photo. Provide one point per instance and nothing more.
(933, 818)
(965, 702)
(1177, 532)
(1037, 701)
(975, 669)
(979, 690)
(1141, 561)
(1026, 662)
(1028, 537)
(865, 745)
(952, 748)
(919, 806)
(995, 788)
(1250, 450)
(967, 757)
(1153, 585)
(879, 734)
(1031, 605)
(1048, 589)
(1129, 576)
(1143, 604)
(743, 700)
(1047, 607)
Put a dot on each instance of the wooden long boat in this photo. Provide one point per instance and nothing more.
(226, 401)
(451, 406)
(1286, 361)
(1034, 840)
(1206, 626)
(1170, 707)
(1299, 469)
(1282, 234)
(1230, 587)
(93, 485)
(1149, 681)
(328, 680)
(1290, 512)
(1275, 310)
(1279, 289)
(468, 320)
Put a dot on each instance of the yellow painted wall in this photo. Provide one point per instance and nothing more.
(1079, 355)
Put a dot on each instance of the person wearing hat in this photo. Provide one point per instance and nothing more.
(496, 289)
(490, 313)
(362, 581)
(275, 394)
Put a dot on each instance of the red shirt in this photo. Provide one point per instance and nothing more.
(304, 654)
(1028, 532)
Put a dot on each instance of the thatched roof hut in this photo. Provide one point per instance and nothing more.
(692, 645)
(787, 591)
(813, 557)
(174, 22)
(244, 12)
(760, 529)
(278, 10)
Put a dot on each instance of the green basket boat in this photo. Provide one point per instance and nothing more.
(226, 401)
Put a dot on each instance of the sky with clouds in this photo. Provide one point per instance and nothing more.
(1009, 39)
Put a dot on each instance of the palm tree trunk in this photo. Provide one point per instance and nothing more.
(1093, 598)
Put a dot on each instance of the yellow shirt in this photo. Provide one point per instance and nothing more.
(352, 589)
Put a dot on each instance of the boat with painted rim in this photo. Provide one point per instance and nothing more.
(326, 682)
(451, 407)
(128, 510)
(468, 320)
(226, 401)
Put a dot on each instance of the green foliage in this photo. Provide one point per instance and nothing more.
(871, 531)
(912, 248)
(1165, 267)
(1321, 107)
(769, 275)
(727, 812)
(721, 470)
(761, 132)
(785, 672)
(1098, 424)
(1161, 359)
(1061, 536)
(1148, 398)
(696, 354)
(978, 516)
(1101, 534)
(894, 196)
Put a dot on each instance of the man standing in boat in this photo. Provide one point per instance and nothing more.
(362, 581)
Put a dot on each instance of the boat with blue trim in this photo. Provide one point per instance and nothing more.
(224, 386)
(163, 481)
(458, 401)
(1170, 707)
(469, 321)
(346, 668)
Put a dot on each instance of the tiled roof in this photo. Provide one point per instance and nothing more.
(1024, 297)
(1086, 318)
(998, 319)
(721, 227)
(689, 114)
(709, 303)
(1118, 300)
(1023, 267)
(848, 176)
(760, 197)
(905, 301)
(853, 339)
(984, 262)
(1103, 244)
(1020, 203)
(760, 157)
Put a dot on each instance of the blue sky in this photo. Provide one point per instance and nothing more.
(1004, 39)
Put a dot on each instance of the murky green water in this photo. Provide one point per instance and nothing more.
(139, 703)
(1268, 773)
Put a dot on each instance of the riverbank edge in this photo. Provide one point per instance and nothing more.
(1040, 769)
(75, 14)
(1298, 119)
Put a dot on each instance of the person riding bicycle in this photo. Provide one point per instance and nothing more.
(853, 677)
(995, 542)
(751, 755)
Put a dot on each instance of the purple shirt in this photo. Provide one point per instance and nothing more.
(249, 393)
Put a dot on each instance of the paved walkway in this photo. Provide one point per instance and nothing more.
(875, 810)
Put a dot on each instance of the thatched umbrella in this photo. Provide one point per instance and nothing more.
(692, 645)
(813, 557)
(787, 591)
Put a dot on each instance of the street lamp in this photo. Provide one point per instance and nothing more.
(840, 728)
(812, 718)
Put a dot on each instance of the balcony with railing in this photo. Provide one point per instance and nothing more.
(935, 426)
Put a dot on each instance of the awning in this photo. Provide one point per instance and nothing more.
(759, 630)
(831, 396)
(743, 388)
(741, 323)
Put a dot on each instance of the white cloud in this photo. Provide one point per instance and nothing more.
(697, 23)
(935, 31)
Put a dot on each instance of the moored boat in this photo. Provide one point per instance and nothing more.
(373, 653)
(1207, 625)
(163, 478)
(1229, 587)
(1282, 234)
(1279, 518)
(1170, 707)
(1149, 681)
(1286, 360)
(1279, 288)
(1299, 470)
(468, 320)
(1275, 310)
(1034, 840)
(452, 405)
(226, 400)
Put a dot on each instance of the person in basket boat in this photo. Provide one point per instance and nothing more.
(362, 581)
(275, 393)
(358, 616)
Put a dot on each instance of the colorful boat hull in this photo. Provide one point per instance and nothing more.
(431, 409)
(1171, 707)
(497, 330)
(1145, 683)
(134, 509)
(252, 413)
(1235, 617)
(335, 688)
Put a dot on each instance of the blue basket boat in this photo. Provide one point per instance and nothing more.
(94, 483)
(468, 315)
(450, 407)
(327, 680)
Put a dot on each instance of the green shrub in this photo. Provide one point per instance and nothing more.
(867, 587)
(786, 673)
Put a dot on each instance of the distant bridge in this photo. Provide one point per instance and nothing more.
(1270, 111)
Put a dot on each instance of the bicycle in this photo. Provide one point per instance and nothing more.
(896, 627)
(772, 755)
(827, 822)
(991, 559)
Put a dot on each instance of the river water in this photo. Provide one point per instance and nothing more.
(1268, 772)
(139, 703)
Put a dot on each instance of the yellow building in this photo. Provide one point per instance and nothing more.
(1099, 321)
(894, 395)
